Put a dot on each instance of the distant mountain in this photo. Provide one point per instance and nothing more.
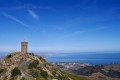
(17, 66)
(99, 72)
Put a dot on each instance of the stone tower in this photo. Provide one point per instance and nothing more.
(24, 45)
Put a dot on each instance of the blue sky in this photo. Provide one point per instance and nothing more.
(60, 25)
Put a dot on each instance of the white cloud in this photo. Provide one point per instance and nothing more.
(82, 32)
(71, 34)
(33, 14)
(26, 7)
(14, 19)
(101, 28)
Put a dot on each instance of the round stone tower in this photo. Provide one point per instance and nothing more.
(24, 45)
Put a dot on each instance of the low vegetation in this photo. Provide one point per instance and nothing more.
(114, 74)
(34, 73)
(33, 64)
(9, 56)
(36, 70)
(74, 77)
(31, 54)
(44, 74)
(15, 72)
(1, 70)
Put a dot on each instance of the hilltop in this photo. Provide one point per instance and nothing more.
(18, 66)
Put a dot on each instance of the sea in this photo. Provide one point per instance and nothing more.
(92, 58)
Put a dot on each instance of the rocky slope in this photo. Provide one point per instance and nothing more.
(100, 72)
(17, 66)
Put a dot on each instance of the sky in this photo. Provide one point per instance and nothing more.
(60, 25)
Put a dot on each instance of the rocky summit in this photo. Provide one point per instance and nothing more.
(17, 66)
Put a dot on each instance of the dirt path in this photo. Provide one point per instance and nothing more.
(21, 67)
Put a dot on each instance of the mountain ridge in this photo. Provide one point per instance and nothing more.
(18, 66)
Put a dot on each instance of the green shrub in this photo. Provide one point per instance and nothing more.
(30, 66)
(34, 73)
(12, 78)
(33, 64)
(1, 70)
(45, 65)
(15, 72)
(9, 56)
(31, 54)
(39, 68)
(44, 74)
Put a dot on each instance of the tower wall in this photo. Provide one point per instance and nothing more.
(24, 46)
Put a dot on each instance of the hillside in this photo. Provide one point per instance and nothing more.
(17, 66)
(66, 66)
(100, 72)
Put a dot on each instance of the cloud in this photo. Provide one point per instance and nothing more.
(100, 28)
(12, 8)
(33, 14)
(72, 34)
(28, 6)
(82, 32)
(14, 19)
